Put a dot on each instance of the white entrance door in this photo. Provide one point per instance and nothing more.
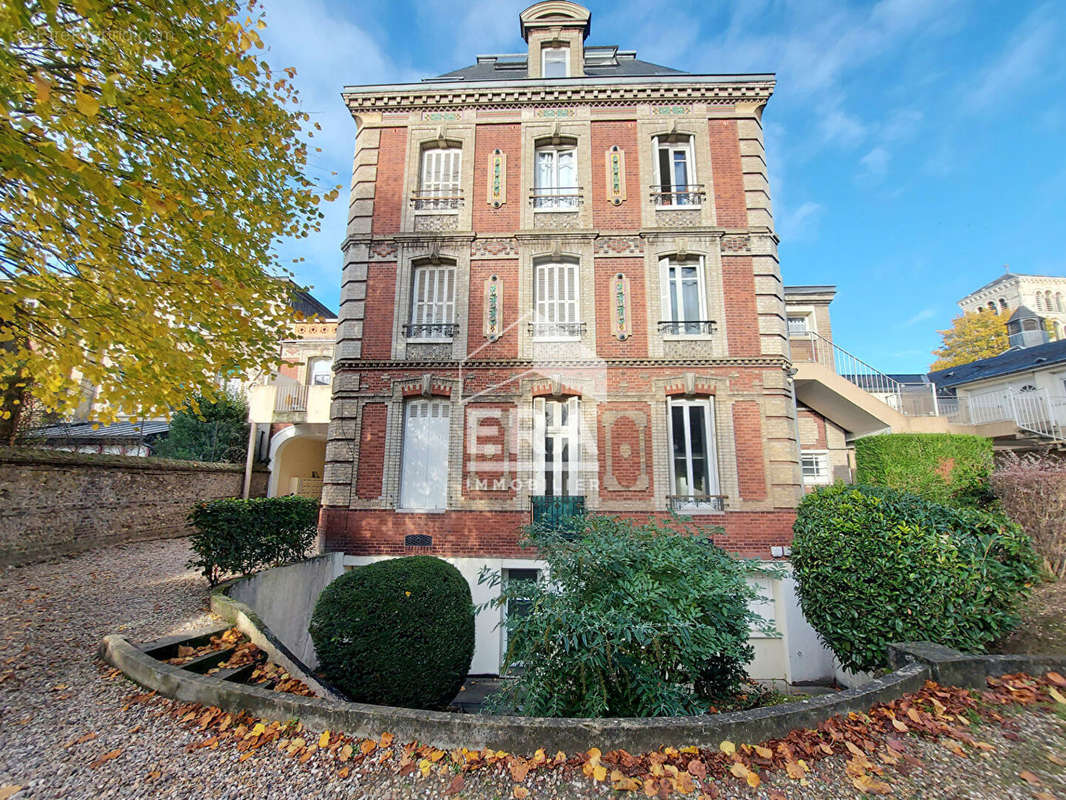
(424, 477)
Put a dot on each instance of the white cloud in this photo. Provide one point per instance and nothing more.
(1031, 50)
(800, 224)
(874, 165)
(328, 51)
(921, 316)
(901, 124)
(840, 129)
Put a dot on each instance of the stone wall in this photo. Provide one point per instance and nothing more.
(53, 503)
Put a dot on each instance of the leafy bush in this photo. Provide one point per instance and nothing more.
(876, 566)
(398, 632)
(208, 430)
(234, 537)
(635, 621)
(945, 468)
(1032, 491)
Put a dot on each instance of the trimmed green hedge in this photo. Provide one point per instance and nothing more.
(942, 467)
(876, 566)
(234, 537)
(398, 632)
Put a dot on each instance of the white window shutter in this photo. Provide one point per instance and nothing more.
(538, 445)
(574, 452)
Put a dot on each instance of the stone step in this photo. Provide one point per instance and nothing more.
(167, 647)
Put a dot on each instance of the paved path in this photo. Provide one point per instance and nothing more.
(59, 712)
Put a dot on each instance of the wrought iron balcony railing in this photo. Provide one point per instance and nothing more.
(696, 503)
(547, 330)
(688, 327)
(673, 196)
(437, 199)
(557, 513)
(430, 330)
(556, 198)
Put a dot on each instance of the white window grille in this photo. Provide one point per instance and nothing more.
(798, 326)
(555, 179)
(556, 447)
(424, 470)
(432, 302)
(694, 454)
(684, 297)
(675, 174)
(556, 300)
(815, 468)
(440, 188)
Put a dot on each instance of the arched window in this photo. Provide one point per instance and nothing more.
(1003, 305)
(424, 459)
(556, 302)
(440, 183)
(1058, 302)
(675, 172)
(991, 306)
(320, 371)
(432, 301)
(555, 176)
(684, 296)
(1039, 301)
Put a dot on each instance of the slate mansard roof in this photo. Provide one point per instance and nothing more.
(1023, 359)
(600, 62)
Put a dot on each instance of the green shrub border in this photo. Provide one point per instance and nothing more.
(947, 468)
(235, 537)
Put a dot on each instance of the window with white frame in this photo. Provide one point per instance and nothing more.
(555, 437)
(694, 457)
(815, 468)
(440, 185)
(556, 303)
(675, 181)
(424, 469)
(432, 302)
(798, 325)
(684, 296)
(555, 62)
(555, 178)
(320, 371)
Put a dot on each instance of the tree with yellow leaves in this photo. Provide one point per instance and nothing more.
(149, 162)
(971, 337)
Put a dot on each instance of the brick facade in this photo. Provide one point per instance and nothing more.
(623, 369)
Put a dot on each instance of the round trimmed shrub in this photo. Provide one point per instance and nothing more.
(397, 633)
(876, 565)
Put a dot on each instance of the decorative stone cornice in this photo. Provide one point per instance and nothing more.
(778, 362)
(497, 94)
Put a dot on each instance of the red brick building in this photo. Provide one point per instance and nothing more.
(560, 291)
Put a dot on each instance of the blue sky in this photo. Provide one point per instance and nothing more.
(915, 146)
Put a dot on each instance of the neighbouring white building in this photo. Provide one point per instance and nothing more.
(1018, 398)
(1044, 294)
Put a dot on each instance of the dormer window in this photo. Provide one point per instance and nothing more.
(555, 62)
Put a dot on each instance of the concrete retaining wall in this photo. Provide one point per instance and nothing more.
(54, 503)
(284, 599)
(523, 735)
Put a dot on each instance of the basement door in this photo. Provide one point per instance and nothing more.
(424, 476)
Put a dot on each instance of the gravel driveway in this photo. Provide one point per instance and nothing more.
(60, 713)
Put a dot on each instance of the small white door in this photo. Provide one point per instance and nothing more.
(424, 475)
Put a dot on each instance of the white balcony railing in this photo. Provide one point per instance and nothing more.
(1036, 411)
(291, 397)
